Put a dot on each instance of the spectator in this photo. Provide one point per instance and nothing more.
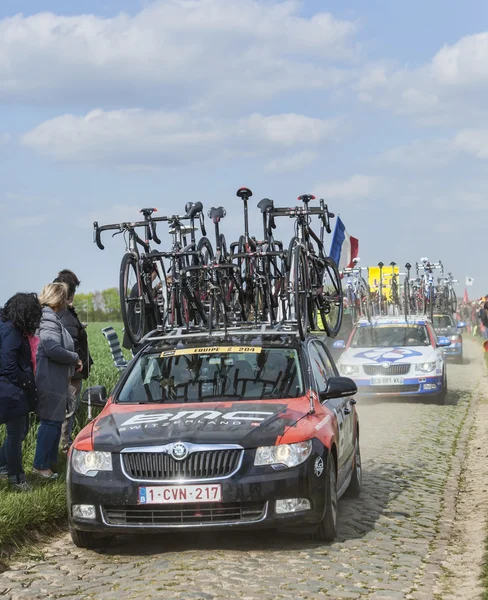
(19, 320)
(77, 330)
(56, 363)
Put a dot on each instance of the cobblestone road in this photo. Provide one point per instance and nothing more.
(384, 548)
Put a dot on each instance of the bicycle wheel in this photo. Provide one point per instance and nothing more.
(331, 299)
(452, 301)
(132, 303)
(300, 289)
(406, 298)
(351, 304)
(365, 299)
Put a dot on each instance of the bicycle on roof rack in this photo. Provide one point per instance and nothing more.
(356, 292)
(314, 290)
(143, 276)
(139, 278)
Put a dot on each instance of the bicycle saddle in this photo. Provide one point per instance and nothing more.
(244, 193)
(216, 213)
(306, 198)
(148, 211)
(264, 204)
(192, 209)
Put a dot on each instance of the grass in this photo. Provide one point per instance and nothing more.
(24, 516)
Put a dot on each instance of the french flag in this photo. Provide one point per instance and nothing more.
(344, 247)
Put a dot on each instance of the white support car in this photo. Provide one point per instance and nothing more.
(395, 356)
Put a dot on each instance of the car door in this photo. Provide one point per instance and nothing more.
(348, 406)
(322, 369)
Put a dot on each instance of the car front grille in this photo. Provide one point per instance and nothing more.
(206, 464)
(178, 515)
(391, 370)
(393, 389)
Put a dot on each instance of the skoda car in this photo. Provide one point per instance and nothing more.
(253, 431)
(446, 325)
(395, 356)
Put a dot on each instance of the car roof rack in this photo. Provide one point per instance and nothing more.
(244, 330)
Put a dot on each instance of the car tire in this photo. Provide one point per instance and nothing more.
(327, 529)
(355, 485)
(443, 393)
(85, 539)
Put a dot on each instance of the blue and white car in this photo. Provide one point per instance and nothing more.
(395, 356)
(446, 325)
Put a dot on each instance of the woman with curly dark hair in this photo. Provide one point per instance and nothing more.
(19, 319)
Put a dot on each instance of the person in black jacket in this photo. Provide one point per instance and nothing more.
(19, 320)
(77, 330)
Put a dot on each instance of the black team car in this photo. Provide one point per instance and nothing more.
(249, 430)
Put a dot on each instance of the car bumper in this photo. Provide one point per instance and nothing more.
(455, 349)
(248, 500)
(412, 386)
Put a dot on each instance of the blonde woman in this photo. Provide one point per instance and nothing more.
(56, 363)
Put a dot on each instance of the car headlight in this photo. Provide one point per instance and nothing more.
(289, 455)
(349, 370)
(455, 338)
(89, 463)
(426, 367)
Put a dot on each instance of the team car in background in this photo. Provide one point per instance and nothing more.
(249, 431)
(446, 325)
(395, 356)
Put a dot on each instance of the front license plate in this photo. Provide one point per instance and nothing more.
(180, 494)
(387, 380)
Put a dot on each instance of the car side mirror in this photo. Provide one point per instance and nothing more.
(442, 342)
(339, 344)
(95, 396)
(461, 324)
(339, 387)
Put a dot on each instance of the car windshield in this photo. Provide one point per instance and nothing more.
(385, 336)
(443, 321)
(214, 374)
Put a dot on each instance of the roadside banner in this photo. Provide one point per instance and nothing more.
(465, 297)
(344, 247)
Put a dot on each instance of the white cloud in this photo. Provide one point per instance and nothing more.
(449, 90)
(294, 162)
(422, 155)
(160, 138)
(27, 221)
(216, 49)
(356, 187)
(473, 141)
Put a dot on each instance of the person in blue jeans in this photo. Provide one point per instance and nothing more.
(56, 363)
(19, 319)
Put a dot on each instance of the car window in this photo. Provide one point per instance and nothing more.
(213, 374)
(329, 368)
(384, 336)
(443, 321)
(318, 367)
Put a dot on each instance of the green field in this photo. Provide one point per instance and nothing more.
(24, 514)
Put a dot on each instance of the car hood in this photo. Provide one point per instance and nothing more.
(392, 355)
(249, 424)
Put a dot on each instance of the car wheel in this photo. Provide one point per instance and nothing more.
(85, 539)
(327, 530)
(443, 393)
(354, 488)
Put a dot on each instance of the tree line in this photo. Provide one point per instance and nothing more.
(99, 306)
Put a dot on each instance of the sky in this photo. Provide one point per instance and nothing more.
(107, 107)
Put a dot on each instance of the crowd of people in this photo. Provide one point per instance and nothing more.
(44, 357)
(475, 315)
